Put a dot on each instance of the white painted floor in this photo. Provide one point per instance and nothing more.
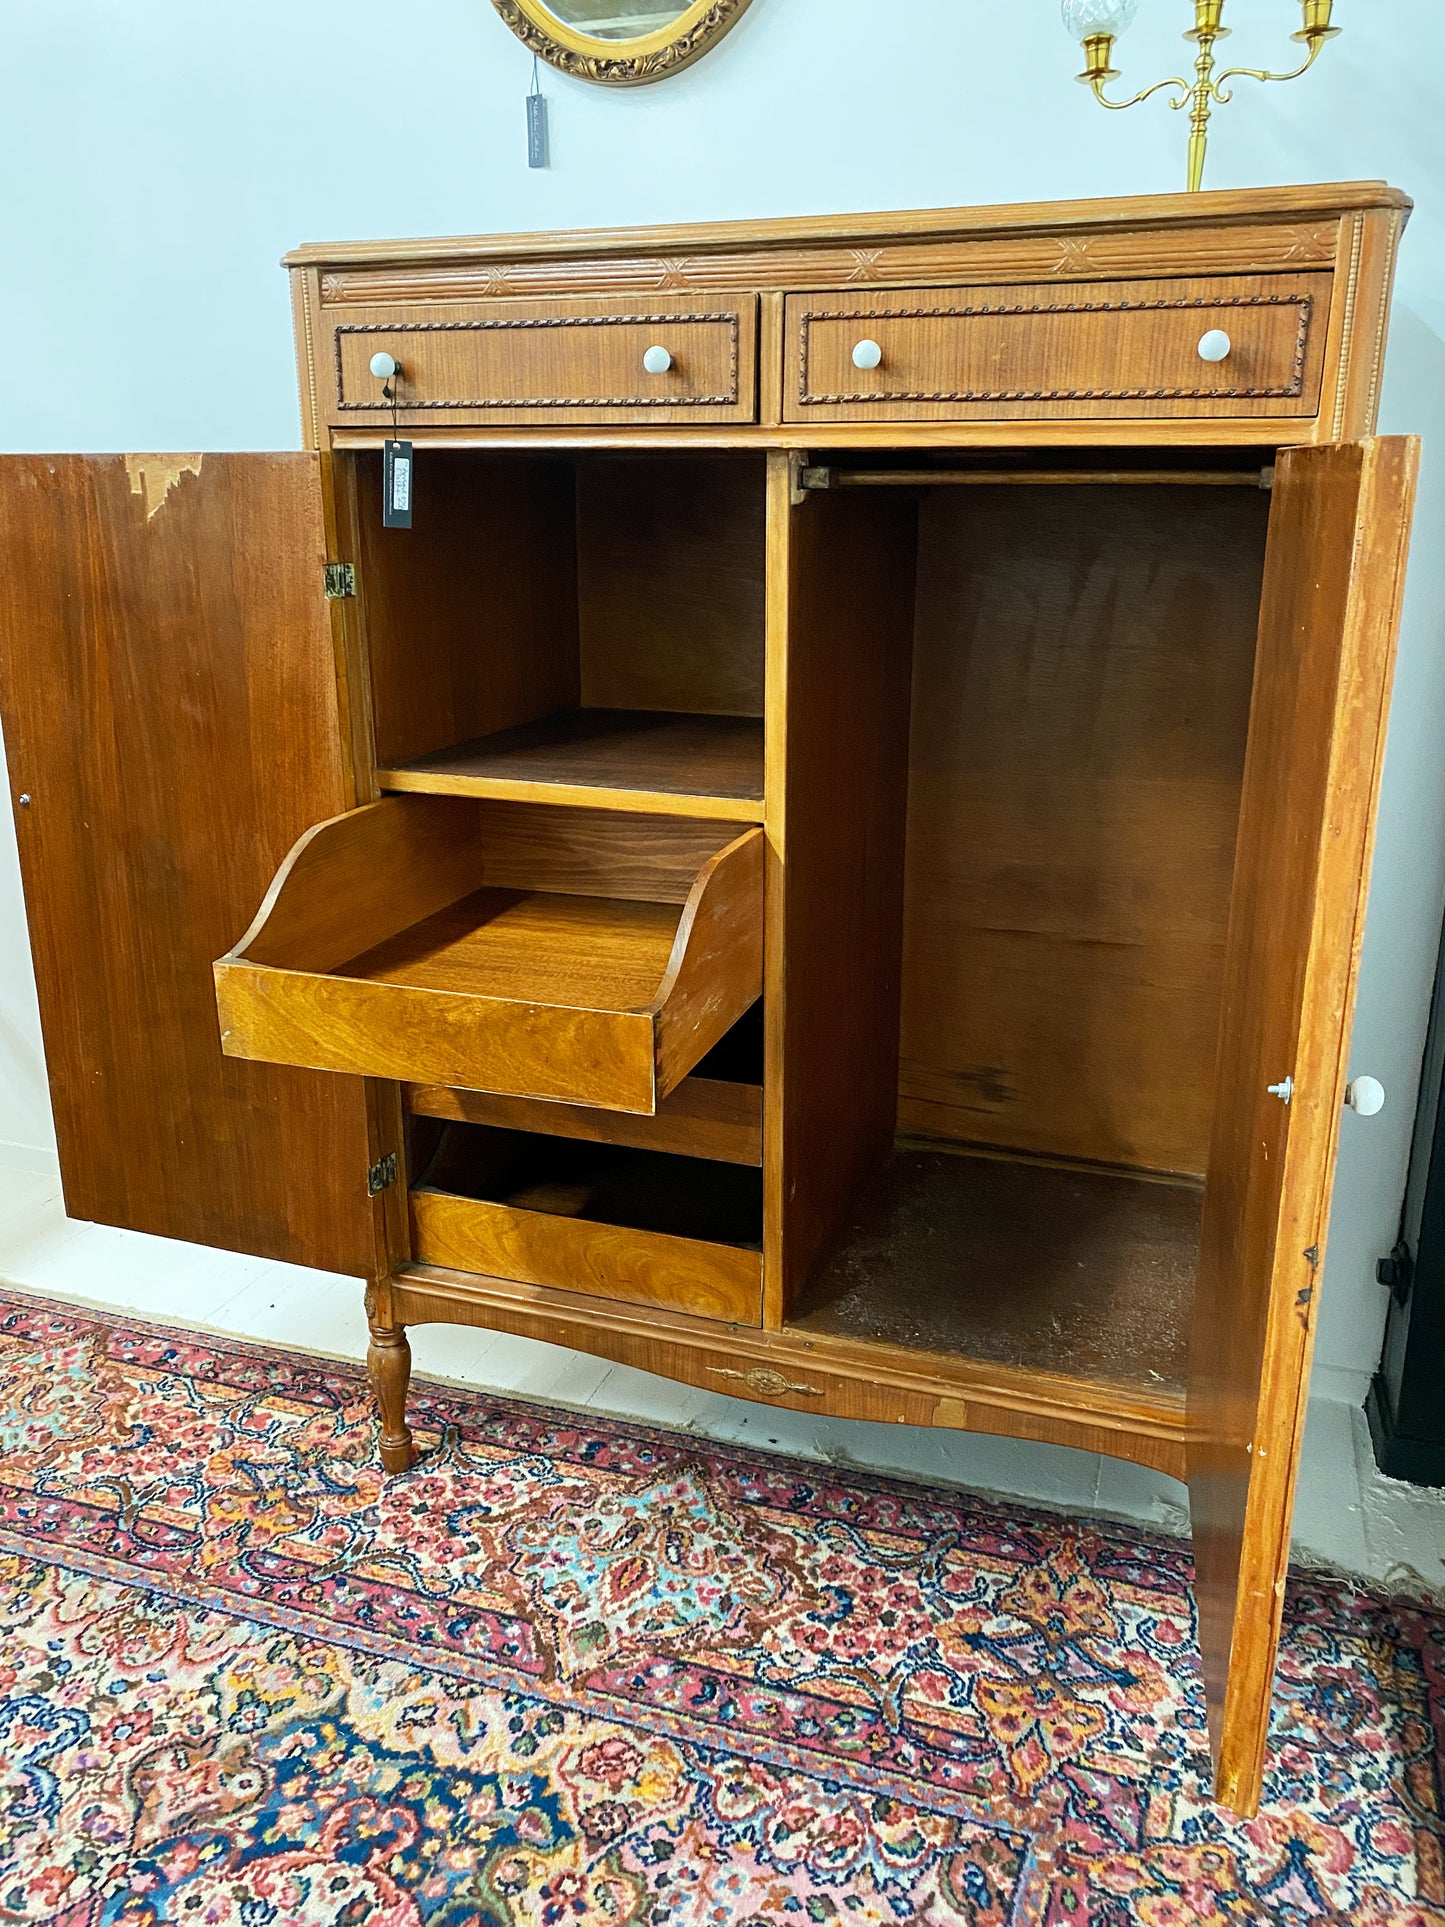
(1347, 1515)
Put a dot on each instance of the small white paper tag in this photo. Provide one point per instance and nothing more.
(396, 485)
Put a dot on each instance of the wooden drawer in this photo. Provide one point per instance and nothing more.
(1101, 350)
(524, 361)
(578, 955)
(596, 1219)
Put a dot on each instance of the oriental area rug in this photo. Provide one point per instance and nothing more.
(573, 1673)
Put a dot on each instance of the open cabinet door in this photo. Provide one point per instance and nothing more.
(1334, 571)
(168, 692)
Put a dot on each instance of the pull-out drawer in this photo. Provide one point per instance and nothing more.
(579, 955)
(1239, 345)
(632, 1225)
(653, 358)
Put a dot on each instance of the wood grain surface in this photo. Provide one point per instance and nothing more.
(629, 759)
(839, 646)
(813, 1372)
(1037, 350)
(573, 360)
(670, 563)
(1333, 581)
(470, 616)
(704, 1117)
(601, 1260)
(1081, 683)
(1132, 215)
(375, 952)
(168, 692)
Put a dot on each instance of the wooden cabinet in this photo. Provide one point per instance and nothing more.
(831, 869)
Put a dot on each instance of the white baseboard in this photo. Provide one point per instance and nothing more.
(30, 1157)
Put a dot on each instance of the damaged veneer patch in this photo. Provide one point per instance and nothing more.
(152, 477)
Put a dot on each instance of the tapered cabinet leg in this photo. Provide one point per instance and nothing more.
(388, 1362)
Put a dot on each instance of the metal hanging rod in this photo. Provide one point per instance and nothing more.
(829, 478)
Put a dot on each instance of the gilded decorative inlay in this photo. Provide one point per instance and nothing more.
(1347, 329)
(1382, 322)
(1019, 310)
(501, 323)
(622, 69)
(313, 423)
(766, 1383)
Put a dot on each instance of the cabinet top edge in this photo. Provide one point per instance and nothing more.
(1129, 211)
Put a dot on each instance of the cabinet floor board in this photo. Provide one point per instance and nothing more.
(1084, 1273)
(606, 758)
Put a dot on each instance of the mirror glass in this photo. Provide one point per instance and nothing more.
(618, 19)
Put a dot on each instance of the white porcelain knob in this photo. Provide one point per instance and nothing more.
(657, 361)
(867, 355)
(1215, 346)
(1366, 1095)
(383, 366)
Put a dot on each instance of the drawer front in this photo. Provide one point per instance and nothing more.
(574, 361)
(599, 1260)
(1104, 350)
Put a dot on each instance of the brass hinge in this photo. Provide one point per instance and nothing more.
(340, 578)
(381, 1174)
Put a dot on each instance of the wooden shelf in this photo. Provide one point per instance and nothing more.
(628, 759)
(703, 1118)
(1084, 1274)
(529, 952)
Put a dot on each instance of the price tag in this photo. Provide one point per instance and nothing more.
(396, 485)
(537, 155)
(536, 130)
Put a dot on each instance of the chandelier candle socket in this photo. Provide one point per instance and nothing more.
(1096, 24)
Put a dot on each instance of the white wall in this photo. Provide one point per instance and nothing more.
(159, 156)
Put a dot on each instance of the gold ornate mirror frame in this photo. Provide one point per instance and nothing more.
(621, 63)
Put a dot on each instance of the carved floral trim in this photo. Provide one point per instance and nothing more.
(622, 69)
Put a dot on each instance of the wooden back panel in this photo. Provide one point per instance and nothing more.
(1081, 679)
(1333, 583)
(670, 572)
(168, 689)
(597, 853)
(471, 614)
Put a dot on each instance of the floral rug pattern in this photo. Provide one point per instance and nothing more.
(571, 1673)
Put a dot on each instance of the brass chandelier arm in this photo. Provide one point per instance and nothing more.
(1206, 90)
(1099, 82)
(1259, 73)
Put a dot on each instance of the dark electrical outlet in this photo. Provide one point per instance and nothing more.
(1397, 1271)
